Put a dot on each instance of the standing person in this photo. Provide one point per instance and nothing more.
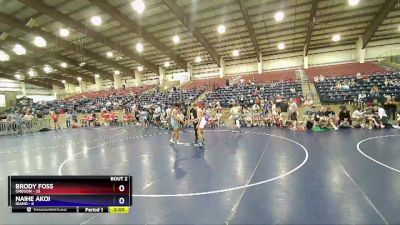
(201, 115)
(75, 117)
(157, 115)
(284, 112)
(255, 114)
(28, 119)
(175, 124)
(309, 103)
(218, 115)
(293, 112)
(105, 116)
(68, 119)
(168, 112)
(144, 118)
(391, 107)
(235, 116)
(195, 121)
(54, 117)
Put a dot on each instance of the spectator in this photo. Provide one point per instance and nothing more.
(391, 106)
(68, 119)
(358, 118)
(54, 117)
(374, 91)
(28, 119)
(344, 117)
(309, 103)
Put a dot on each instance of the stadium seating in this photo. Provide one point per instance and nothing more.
(271, 76)
(329, 93)
(347, 69)
(170, 97)
(206, 84)
(226, 95)
(116, 92)
(117, 101)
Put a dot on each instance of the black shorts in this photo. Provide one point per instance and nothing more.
(293, 116)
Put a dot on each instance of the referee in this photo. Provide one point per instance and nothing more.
(195, 120)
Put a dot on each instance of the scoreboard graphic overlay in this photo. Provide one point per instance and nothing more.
(74, 194)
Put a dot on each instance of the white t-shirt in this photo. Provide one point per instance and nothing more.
(235, 111)
(168, 112)
(255, 108)
(356, 114)
(292, 107)
(28, 117)
(381, 112)
(157, 112)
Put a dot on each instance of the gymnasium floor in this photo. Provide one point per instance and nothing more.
(263, 176)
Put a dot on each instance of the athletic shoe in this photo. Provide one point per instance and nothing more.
(171, 141)
(179, 143)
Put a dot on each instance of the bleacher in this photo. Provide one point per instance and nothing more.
(114, 92)
(271, 76)
(226, 95)
(347, 69)
(206, 84)
(329, 93)
(170, 97)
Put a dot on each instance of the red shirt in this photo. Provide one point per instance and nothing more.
(54, 117)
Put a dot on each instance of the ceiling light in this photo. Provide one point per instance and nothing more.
(63, 81)
(198, 59)
(96, 20)
(19, 49)
(97, 76)
(79, 79)
(138, 6)
(63, 65)
(353, 2)
(176, 39)
(47, 69)
(18, 76)
(139, 47)
(281, 46)
(31, 73)
(109, 54)
(4, 56)
(279, 16)
(116, 72)
(140, 68)
(235, 52)
(336, 37)
(39, 41)
(221, 29)
(167, 64)
(64, 32)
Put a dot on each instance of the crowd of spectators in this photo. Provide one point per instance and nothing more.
(247, 93)
(285, 114)
(273, 104)
(360, 88)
